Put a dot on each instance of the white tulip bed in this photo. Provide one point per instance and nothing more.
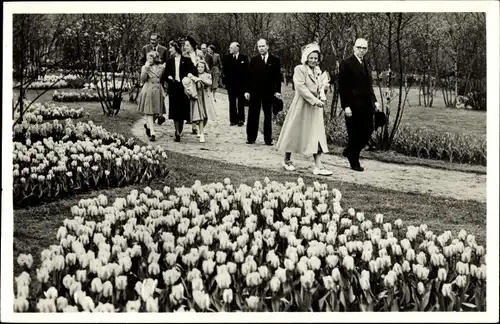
(53, 158)
(51, 81)
(271, 247)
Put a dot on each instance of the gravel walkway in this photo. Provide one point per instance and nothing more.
(228, 143)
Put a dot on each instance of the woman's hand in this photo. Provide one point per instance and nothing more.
(190, 75)
(320, 104)
(170, 78)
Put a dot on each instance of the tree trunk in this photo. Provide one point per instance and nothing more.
(399, 113)
(385, 129)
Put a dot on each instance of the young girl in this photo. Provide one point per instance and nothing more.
(202, 108)
(152, 96)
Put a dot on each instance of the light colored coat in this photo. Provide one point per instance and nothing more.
(203, 108)
(304, 127)
(151, 99)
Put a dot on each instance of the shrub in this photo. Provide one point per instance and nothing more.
(271, 247)
(427, 144)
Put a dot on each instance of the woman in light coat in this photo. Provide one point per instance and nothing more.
(152, 96)
(303, 131)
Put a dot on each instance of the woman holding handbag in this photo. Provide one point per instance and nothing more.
(177, 67)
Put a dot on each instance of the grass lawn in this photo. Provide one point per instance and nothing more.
(35, 227)
(437, 118)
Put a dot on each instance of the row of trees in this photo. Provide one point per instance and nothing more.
(434, 51)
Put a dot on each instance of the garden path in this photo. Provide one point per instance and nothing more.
(228, 144)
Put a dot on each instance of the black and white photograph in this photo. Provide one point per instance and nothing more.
(229, 160)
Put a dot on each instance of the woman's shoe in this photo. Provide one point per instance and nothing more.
(161, 120)
(323, 172)
(148, 131)
(152, 138)
(288, 166)
(202, 138)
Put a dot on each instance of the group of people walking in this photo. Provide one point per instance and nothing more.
(190, 76)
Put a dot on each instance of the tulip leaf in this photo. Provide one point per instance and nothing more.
(283, 299)
(351, 295)
(342, 300)
(451, 305)
(469, 305)
(323, 299)
(406, 293)
(395, 305)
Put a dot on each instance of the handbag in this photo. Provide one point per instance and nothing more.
(189, 88)
(277, 105)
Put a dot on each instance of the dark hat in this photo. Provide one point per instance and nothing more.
(277, 105)
(380, 119)
(191, 41)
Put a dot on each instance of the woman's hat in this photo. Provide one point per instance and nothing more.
(380, 119)
(308, 49)
(191, 41)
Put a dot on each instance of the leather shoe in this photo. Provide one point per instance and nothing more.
(177, 138)
(232, 124)
(250, 142)
(358, 168)
(241, 124)
(269, 143)
(152, 138)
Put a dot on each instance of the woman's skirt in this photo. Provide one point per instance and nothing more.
(178, 103)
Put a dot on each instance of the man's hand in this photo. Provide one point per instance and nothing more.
(247, 96)
(377, 106)
(277, 95)
(348, 112)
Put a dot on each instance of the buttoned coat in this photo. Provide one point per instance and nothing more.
(304, 128)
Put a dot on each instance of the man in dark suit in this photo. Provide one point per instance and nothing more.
(264, 84)
(235, 71)
(358, 102)
(154, 46)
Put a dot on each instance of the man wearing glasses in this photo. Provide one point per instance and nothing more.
(358, 101)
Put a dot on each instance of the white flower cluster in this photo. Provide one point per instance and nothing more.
(77, 95)
(65, 156)
(38, 112)
(218, 247)
(114, 86)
